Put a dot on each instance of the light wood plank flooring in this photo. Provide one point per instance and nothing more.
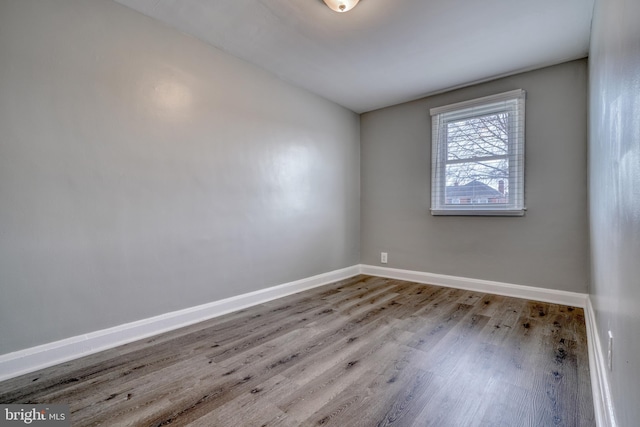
(366, 351)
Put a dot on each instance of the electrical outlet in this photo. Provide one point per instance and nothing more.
(383, 257)
(610, 352)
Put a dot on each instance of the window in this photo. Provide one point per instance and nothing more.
(478, 156)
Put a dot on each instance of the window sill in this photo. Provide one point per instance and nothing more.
(478, 212)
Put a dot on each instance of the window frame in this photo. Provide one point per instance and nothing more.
(512, 102)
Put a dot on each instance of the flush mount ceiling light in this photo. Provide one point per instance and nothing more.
(341, 5)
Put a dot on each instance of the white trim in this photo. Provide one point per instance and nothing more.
(474, 211)
(35, 358)
(601, 390)
(505, 96)
(602, 399)
(512, 104)
(518, 291)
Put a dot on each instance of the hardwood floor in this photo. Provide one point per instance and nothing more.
(366, 351)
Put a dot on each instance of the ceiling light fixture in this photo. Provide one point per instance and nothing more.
(341, 5)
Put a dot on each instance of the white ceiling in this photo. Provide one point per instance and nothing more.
(385, 52)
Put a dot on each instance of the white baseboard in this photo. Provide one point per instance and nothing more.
(602, 401)
(35, 358)
(573, 299)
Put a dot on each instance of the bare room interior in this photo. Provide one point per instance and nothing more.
(338, 212)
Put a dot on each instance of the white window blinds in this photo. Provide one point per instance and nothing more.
(478, 156)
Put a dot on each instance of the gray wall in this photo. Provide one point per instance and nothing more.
(614, 189)
(142, 171)
(547, 248)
